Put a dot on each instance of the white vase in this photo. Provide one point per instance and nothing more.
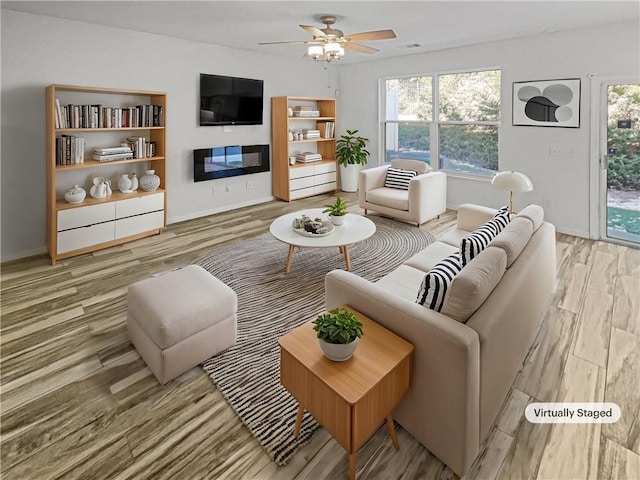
(124, 184)
(149, 181)
(337, 220)
(338, 352)
(75, 194)
(349, 178)
(134, 182)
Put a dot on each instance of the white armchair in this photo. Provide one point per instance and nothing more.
(425, 199)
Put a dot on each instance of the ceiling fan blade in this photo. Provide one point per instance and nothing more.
(375, 35)
(359, 48)
(316, 32)
(296, 42)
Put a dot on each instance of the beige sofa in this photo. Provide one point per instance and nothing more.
(467, 356)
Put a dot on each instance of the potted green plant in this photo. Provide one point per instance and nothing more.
(338, 333)
(351, 153)
(337, 211)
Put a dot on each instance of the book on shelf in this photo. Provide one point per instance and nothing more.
(112, 156)
(112, 150)
(326, 129)
(306, 113)
(69, 150)
(308, 157)
(99, 116)
(302, 108)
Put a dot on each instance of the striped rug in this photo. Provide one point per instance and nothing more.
(270, 304)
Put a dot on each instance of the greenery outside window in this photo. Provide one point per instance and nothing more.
(464, 136)
(408, 118)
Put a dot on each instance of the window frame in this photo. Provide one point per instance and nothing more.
(435, 122)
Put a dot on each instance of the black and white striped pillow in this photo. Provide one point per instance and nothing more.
(477, 241)
(399, 178)
(436, 283)
(502, 218)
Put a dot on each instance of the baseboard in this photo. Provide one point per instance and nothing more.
(20, 255)
(573, 232)
(224, 208)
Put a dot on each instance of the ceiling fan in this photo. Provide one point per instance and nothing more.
(329, 43)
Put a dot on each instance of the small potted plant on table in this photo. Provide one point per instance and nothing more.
(338, 333)
(337, 211)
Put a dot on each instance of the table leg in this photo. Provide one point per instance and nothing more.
(288, 267)
(392, 432)
(345, 250)
(352, 466)
(296, 428)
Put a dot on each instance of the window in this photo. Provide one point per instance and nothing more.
(461, 126)
(408, 118)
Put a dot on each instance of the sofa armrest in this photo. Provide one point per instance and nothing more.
(470, 216)
(428, 195)
(369, 179)
(441, 408)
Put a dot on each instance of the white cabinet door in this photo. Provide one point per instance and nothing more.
(139, 224)
(84, 216)
(139, 205)
(82, 237)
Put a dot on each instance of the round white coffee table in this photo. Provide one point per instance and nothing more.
(355, 229)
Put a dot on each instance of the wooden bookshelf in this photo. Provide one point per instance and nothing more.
(74, 229)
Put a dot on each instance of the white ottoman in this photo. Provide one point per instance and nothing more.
(180, 319)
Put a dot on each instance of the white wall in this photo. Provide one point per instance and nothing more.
(561, 184)
(39, 50)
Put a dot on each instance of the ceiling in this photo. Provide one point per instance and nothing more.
(420, 26)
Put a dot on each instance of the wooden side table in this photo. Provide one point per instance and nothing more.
(349, 399)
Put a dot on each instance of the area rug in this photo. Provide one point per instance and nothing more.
(272, 303)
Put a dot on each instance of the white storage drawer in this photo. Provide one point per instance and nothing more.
(82, 237)
(327, 187)
(325, 178)
(304, 182)
(299, 172)
(303, 192)
(139, 205)
(325, 168)
(83, 216)
(139, 224)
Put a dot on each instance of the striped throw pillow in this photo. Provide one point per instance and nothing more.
(477, 241)
(502, 218)
(399, 178)
(434, 287)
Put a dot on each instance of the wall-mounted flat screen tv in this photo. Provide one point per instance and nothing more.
(230, 100)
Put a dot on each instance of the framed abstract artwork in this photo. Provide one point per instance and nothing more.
(547, 103)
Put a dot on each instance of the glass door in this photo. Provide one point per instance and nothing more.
(622, 163)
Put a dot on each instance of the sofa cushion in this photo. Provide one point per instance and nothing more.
(398, 178)
(471, 287)
(514, 238)
(433, 290)
(404, 281)
(429, 256)
(389, 197)
(535, 214)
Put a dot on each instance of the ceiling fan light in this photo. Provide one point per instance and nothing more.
(332, 48)
(315, 51)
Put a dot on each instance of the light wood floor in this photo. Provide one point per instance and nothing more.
(78, 402)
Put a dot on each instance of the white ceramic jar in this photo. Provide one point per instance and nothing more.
(124, 184)
(75, 194)
(149, 182)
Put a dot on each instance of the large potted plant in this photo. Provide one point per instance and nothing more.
(351, 154)
(337, 211)
(338, 333)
